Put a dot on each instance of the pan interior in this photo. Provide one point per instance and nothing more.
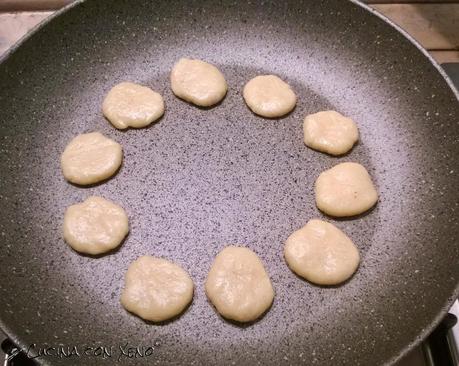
(201, 179)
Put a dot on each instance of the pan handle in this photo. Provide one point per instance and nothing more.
(14, 355)
(440, 347)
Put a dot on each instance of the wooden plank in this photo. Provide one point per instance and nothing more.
(31, 5)
(434, 26)
(445, 56)
(409, 1)
(14, 26)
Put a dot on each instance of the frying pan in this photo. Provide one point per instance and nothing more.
(201, 179)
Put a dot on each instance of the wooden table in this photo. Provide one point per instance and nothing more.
(434, 24)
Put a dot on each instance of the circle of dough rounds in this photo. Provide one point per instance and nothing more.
(238, 285)
(132, 105)
(156, 289)
(330, 132)
(198, 82)
(269, 96)
(90, 158)
(321, 253)
(95, 226)
(345, 190)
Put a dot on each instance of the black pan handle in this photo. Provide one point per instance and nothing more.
(14, 355)
(440, 348)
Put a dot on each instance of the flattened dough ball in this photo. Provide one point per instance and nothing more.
(330, 132)
(345, 190)
(269, 96)
(95, 226)
(198, 82)
(156, 289)
(321, 253)
(238, 285)
(90, 158)
(132, 105)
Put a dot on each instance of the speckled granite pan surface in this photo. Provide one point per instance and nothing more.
(201, 179)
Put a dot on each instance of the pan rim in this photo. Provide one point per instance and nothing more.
(455, 293)
(413, 41)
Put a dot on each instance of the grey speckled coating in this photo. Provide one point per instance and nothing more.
(200, 179)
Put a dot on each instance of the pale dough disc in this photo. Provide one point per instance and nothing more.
(198, 82)
(95, 226)
(156, 289)
(238, 285)
(90, 158)
(321, 253)
(132, 105)
(269, 96)
(345, 190)
(330, 132)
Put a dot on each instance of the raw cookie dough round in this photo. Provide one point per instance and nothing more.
(330, 132)
(132, 105)
(321, 253)
(345, 190)
(269, 96)
(156, 289)
(198, 82)
(90, 158)
(238, 285)
(95, 226)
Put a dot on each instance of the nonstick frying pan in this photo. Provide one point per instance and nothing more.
(201, 179)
